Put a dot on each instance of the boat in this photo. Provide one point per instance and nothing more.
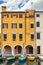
(1, 63)
(40, 57)
(22, 59)
(31, 58)
(1, 58)
(10, 59)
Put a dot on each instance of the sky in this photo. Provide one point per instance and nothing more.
(21, 5)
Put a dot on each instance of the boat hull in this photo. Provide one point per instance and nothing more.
(31, 58)
(1, 60)
(10, 60)
(41, 58)
(22, 61)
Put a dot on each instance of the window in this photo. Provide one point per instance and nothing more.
(32, 25)
(20, 37)
(14, 37)
(32, 36)
(5, 16)
(38, 35)
(14, 15)
(20, 25)
(37, 15)
(20, 15)
(38, 24)
(14, 25)
(5, 25)
(5, 37)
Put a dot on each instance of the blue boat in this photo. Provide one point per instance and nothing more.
(1, 58)
(22, 59)
(10, 59)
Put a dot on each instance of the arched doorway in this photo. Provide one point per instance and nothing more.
(18, 49)
(7, 50)
(29, 49)
(38, 49)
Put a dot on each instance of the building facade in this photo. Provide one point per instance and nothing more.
(39, 32)
(21, 32)
(18, 32)
(0, 34)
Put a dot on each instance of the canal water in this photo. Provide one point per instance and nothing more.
(26, 63)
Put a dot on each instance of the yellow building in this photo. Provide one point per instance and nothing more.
(17, 32)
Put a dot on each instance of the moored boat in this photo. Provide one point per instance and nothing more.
(1, 58)
(31, 58)
(40, 57)
(22, 59)
(10, 59)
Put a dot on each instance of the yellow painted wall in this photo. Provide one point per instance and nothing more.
(17, 30)
(25, 30)
(29, 30)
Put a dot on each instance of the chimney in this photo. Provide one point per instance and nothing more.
(3, 8)
(31, 12)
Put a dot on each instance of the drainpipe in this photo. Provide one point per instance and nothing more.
(25, 34)
(35, 38)
(24, 51)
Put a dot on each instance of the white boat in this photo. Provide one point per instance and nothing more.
(40, 57)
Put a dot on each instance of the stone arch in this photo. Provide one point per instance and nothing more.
(29, 49)
(7, 50)
(18, 49)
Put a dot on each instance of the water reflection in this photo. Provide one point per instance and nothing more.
(41, 63)
(26, 63)
(31, 63)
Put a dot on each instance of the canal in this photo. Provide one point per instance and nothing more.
(26, 63)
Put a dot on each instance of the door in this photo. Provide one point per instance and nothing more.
(19, 50)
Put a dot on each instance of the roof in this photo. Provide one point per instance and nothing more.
(14, 12)
(38, 11)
